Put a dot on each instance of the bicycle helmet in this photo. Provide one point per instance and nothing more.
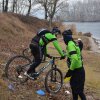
(55, 30)
(67, 32)
(67, 36)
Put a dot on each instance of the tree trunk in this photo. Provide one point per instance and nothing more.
(50, 22)
(46, 16)
(29, 8)
(3, 8)
(16, 10)
(46, 10)
(6, 6)
(14, 3)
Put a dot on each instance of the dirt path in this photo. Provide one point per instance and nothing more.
(94, 46)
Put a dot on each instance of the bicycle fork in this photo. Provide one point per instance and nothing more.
(53, 73)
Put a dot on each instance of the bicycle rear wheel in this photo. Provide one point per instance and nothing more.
(16, 66)
(27, 53)
(53, 81)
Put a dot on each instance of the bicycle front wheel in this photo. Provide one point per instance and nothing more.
(54, 81)
(16, 67)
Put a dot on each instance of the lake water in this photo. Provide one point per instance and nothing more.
(92, 27)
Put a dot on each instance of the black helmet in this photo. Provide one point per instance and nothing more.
(55, 30)
(67, 36)
(67, 32)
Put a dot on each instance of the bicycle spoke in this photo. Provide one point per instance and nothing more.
(16, 66)
(53, 81)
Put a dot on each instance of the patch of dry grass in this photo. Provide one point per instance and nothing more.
(3, 90)
(92, 68)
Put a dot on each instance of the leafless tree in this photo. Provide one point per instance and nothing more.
(52, 10)
(29, 9)
(44, 4)
(51, 7)
(3, 8)
(14, 5)
(6, 6)
(88, 10)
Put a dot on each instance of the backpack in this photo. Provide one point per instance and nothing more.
(35, 40)
(41, 34)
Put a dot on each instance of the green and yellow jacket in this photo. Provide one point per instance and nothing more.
(48, 37)
(74, 54)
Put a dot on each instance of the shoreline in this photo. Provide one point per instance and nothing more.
(94, 45)
(97, 42)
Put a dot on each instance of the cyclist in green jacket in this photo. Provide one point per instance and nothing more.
(38, 49)
(76, 69)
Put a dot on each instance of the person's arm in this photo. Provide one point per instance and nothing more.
(58, 48)
(53, 38)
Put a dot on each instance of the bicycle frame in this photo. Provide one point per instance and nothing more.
(50, 62)
(43, 68)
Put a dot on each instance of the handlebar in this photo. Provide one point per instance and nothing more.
(52, 57)
(56, 57)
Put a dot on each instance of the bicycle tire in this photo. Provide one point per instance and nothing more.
(26, 52)
(23, 52)
(46, 81)
(7, 68)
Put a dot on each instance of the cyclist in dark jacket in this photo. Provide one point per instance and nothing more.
(76, 69)
(38, 49)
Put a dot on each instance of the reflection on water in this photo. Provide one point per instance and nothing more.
(92, 27)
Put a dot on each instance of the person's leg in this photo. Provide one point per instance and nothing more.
(73, 88)
(82, 80)
(81, 84)
(36, 52)
(82, 96)
(75, 95)
(77, 83)
(33, 66)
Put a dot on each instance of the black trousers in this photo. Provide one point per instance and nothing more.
(77, 84)
(37, 57)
